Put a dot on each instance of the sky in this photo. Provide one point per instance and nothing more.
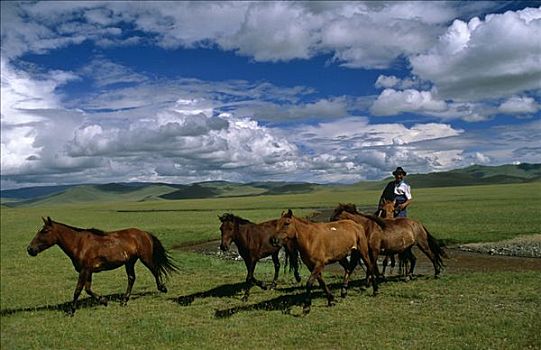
(325, 92)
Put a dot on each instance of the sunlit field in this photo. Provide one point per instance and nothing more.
(203, 308)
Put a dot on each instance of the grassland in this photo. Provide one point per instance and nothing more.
(203, 307)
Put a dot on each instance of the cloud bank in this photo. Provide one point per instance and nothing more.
(461, 67)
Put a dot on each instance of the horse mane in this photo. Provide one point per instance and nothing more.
(352, 209)
(78, 229)
(303, 220)
(228, 217)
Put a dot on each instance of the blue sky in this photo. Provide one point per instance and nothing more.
(182, 92)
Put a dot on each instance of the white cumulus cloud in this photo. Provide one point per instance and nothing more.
(392, 102)
(496, 57)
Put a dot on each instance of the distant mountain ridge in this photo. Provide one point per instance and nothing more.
(142, 191)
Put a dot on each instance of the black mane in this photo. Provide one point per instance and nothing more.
(78, 229)
(352, 209)
(228, 217)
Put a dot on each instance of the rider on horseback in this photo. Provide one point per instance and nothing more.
(398, 191)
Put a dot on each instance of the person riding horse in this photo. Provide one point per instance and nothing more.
(399, 192)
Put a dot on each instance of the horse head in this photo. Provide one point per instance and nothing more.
(45, 238)
(228, 228)
(388, 209)
(285, 229)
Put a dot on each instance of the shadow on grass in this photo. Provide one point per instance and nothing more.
(293, 296)
(283, 303)
(226, 290)
(85, 303)
(296, 297)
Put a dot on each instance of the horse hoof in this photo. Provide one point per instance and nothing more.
(103, 301)
(124, 303)
(298, 279)
(70, 312)
(344, 293)
(306, 310)
(162, 289)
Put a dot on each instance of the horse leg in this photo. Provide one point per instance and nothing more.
(313, 276)
(147, 261)
(384, 265)
(425, 248)
(83, 277)
(89, 291)
(370, 258)
(323, 285)
(250, 280)
(412, 259)
(393, 263)
(276, 262)
(348, 268)
(130, 271)
(346, 265)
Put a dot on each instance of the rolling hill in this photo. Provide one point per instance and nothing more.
(140, 191)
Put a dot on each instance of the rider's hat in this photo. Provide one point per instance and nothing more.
(399, 170)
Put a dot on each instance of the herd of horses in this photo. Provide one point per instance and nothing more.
(349, 237)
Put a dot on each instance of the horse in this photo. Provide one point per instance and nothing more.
(388, 209)
(375, 234)
(399, 235)
(93, 250)
(253, 243)
(321, 244)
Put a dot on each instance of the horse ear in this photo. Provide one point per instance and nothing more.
(49, 221)
(44, 221)
(289, 213)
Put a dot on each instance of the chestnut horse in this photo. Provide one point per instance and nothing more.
(399, 236)
(92, 250)
(253, 243)
(321, 244)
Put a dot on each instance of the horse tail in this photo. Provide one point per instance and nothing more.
(291, 257)
(437, 249)
(162, 260)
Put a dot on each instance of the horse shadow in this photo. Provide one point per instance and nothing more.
(226, 290)
(283, 303)
(293, 296)
(86, 303)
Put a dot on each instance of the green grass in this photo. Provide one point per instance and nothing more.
(496, 310)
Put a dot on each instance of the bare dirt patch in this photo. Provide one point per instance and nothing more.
(459, 261)
(525, 246)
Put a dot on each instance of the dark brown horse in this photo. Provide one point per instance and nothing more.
(321, 244)
(92, 250)
(398, 236)
(253, 243)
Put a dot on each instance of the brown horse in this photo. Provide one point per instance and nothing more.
(321, 244)
(375, 236)
(92, 250)
(388, 209)
(253, 243)
(399, 236)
